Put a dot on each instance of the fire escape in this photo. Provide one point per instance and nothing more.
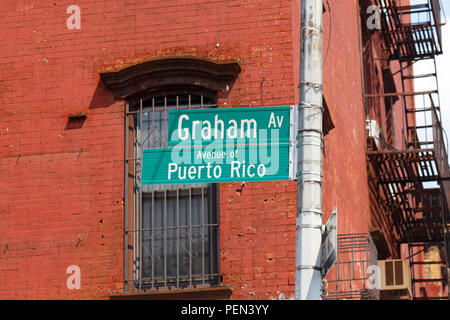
(412, 180)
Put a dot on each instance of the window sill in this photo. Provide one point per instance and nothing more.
(211, 293)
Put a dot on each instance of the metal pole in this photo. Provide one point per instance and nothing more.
(126, 203)
(308, 278)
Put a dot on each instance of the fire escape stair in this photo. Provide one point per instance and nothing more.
(419, 213)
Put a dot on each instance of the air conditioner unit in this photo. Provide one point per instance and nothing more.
(373, 132)
(395, 280)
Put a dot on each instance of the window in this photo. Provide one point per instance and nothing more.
(170, 231)
(176, 226)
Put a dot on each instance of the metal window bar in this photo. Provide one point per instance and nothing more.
(180, 219)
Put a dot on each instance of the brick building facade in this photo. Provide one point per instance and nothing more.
(63, 189)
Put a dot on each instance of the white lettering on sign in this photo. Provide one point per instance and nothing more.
(211, 155)
(240, 170)
(247, 128)
(193, 172)
(183, 134)
(278, 121)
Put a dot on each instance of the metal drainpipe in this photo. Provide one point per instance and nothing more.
(308, 277)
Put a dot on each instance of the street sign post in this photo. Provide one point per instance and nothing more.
(329, 244)
(225, 145)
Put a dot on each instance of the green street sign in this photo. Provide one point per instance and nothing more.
(228, 124)
(224, 145)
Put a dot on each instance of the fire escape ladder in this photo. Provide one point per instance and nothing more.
(414, 180)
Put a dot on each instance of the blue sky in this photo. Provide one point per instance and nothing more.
(443, 70)
(443, 66)
(446, 5)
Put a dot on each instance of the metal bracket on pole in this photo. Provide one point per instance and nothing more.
(310, 133)
(299, 267)
(304, 105)
(329, 243)
(310, 226)
(315, 29)
(310, 210)
(316, 176)
(293, 145)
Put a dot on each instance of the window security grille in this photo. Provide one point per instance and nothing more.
(175, 231)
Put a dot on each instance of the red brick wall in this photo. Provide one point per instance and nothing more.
(61, 190)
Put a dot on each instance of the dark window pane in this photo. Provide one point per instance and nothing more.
(179, 222)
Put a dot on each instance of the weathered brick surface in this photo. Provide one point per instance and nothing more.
(61, 189)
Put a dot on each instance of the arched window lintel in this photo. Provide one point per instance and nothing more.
(171, 71)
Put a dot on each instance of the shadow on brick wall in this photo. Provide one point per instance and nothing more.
(102, 97)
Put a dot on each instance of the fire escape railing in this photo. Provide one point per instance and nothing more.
(349, 280)
(413, 31)
(414, 180)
